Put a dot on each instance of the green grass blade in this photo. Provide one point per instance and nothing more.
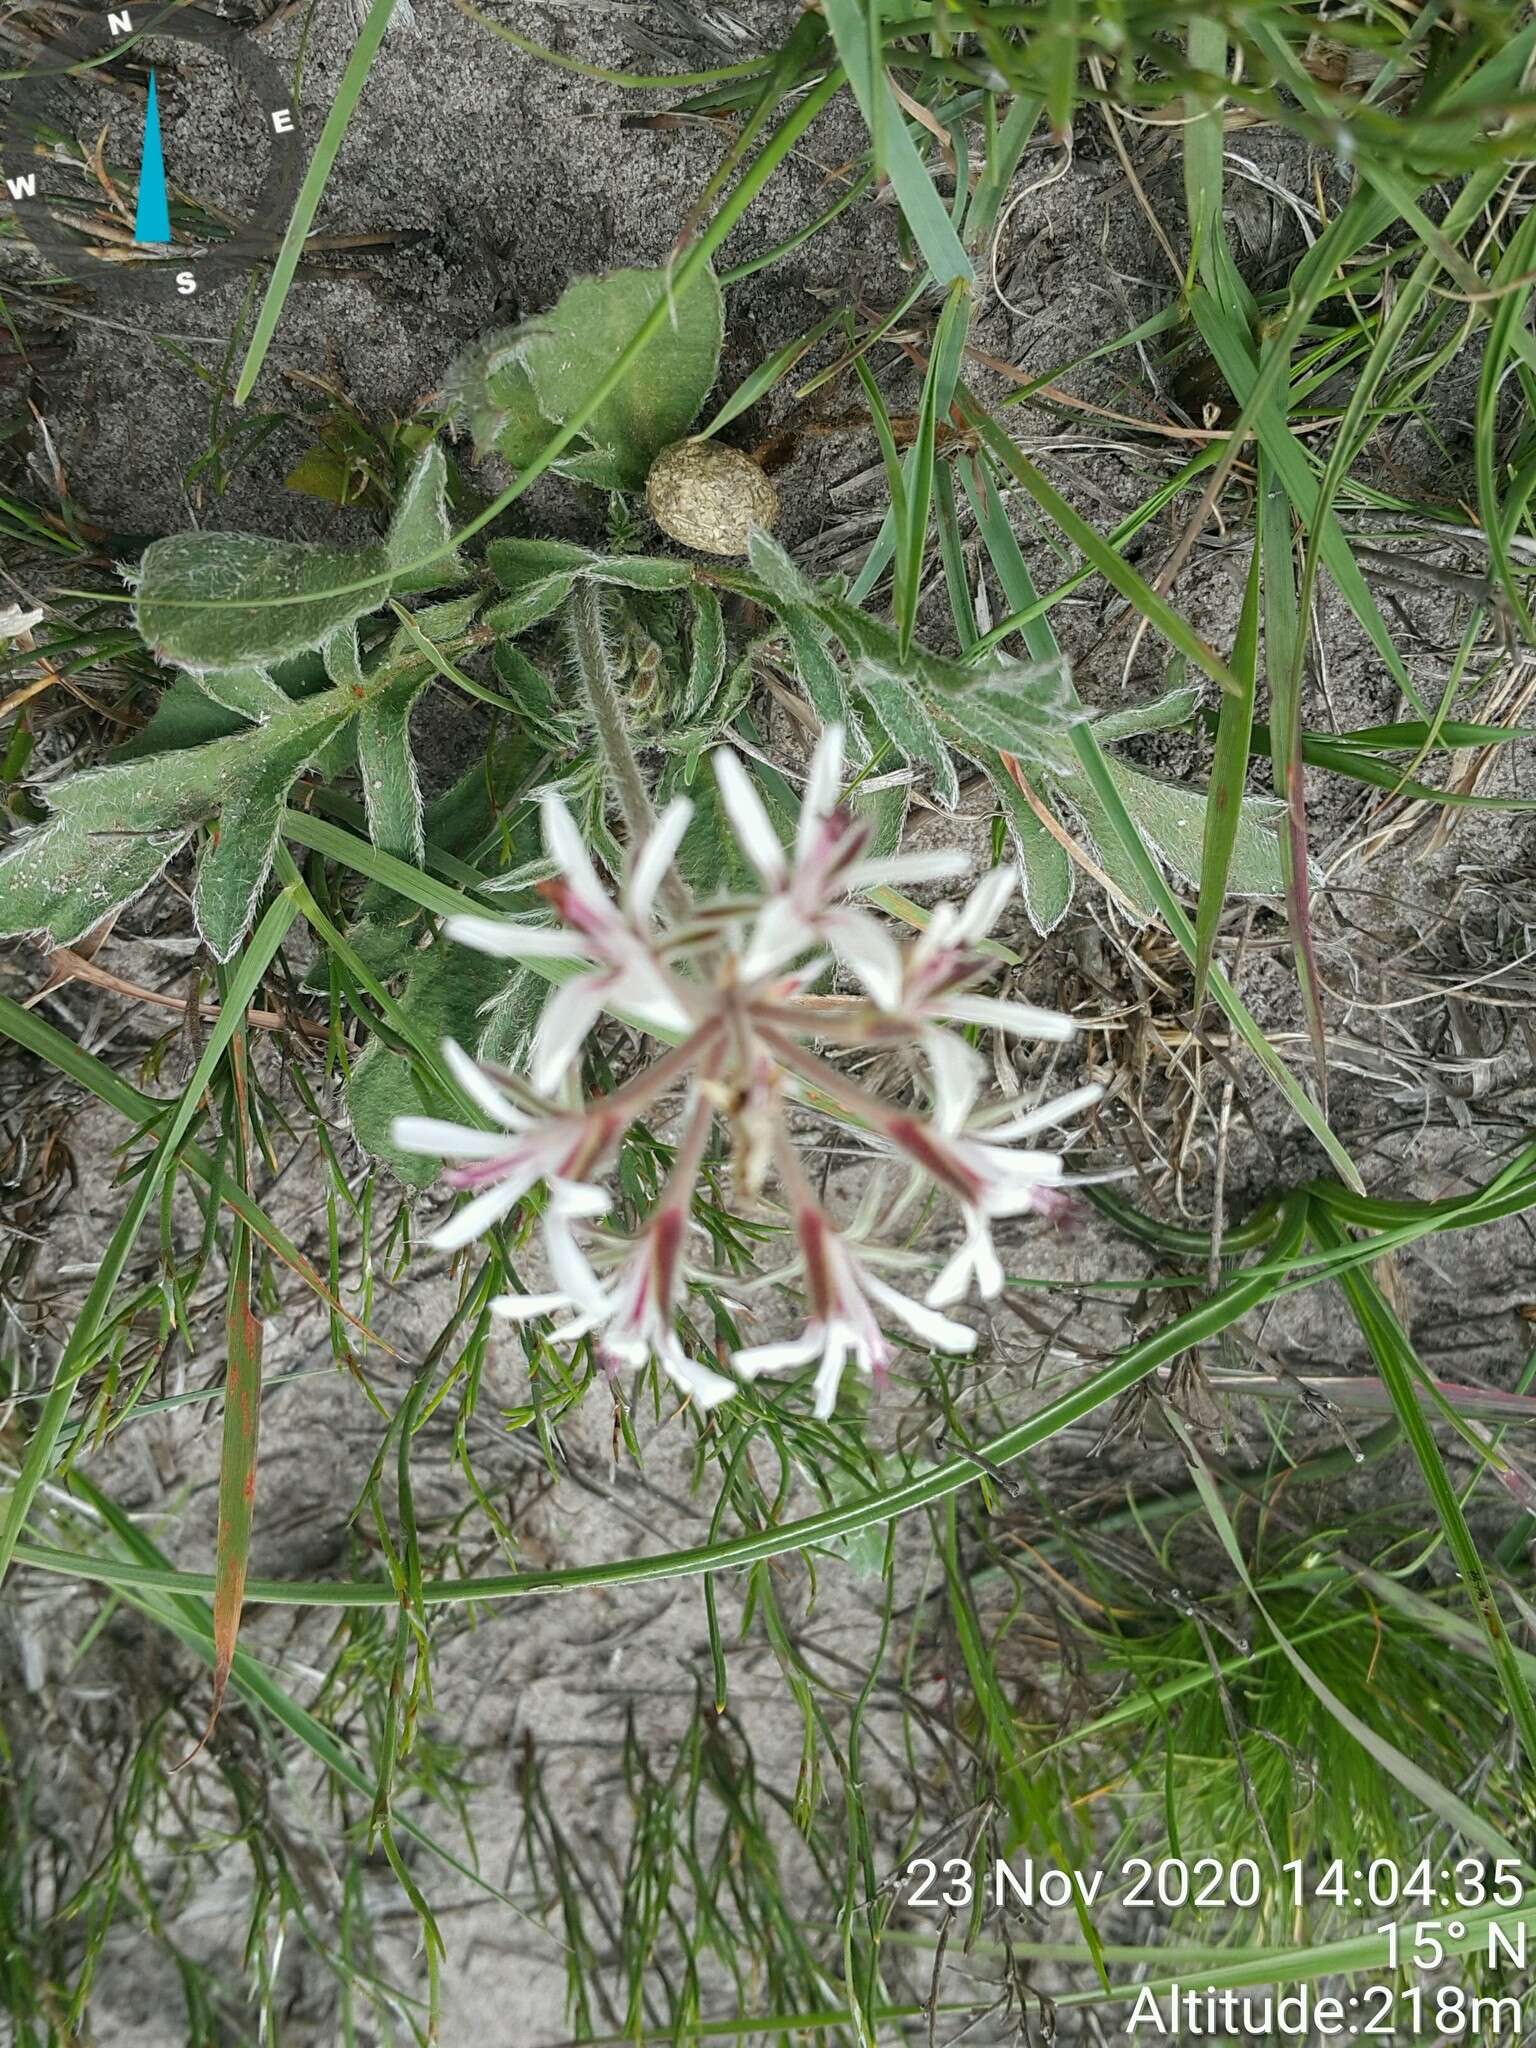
(1400, 1368)
(1245, 1291)
(1229, 770)
(1283, 652)
(242, 1413)
(856, 31)
(938, 394)
(1042, 643)
(307, 205)
(1117, 572)
(1229, 344)
(1440, 1799)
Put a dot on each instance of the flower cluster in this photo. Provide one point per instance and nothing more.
(731, 984)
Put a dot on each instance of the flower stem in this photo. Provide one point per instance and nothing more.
(613, 733)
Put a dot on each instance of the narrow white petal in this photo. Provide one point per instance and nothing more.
(829, 1374)
(655, 857)
(779, 936)
(865, 946)
(439, 1140)
(571, 1270)
(641, 993)
(942, 933)
(522, 1308)
(564, 845)
(708, 1388)
(749, 819)
(956, 1069)
(989, 1271)
(995, 1013)
(1046, 1116)
(1031, 1199)
(504, 938)
(953, 1280)
(792, 1351)
(901, 869)
(935, 1330)
(481, 1089)
(578, 1198)
(476, 1217)
(985, 903)
(568, 1016)
(823, 784)
(630, 1351)
(578, 1326)
(1007, 1169)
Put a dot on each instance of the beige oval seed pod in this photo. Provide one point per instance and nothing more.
(709, 497)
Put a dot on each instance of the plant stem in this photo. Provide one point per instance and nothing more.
(613, 734)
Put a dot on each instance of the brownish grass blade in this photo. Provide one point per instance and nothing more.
(242, 1416)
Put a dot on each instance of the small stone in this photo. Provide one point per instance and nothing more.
(709, 497)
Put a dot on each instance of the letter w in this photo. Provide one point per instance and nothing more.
(24, 187)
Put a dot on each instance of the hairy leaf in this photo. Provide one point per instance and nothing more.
(1045, 870)
(773, 567)
(186, 716)
(222, 600)
(820, 677)
(419, 555)
(249, 692)
(1175, 707)
(1022, 708)
(903, 717)
(391, 793)
(512, 388)
(706, 653)
(542, 573)
(114, 828)
(231, 601)
(234, 870)
(1172, 821)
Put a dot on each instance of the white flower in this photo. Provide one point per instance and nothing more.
(982, 1167)
(943, 959)
(732, 983)
(805, 906)
(626, 975)
(843, 1325)
(637, 1311)
(562, 1150)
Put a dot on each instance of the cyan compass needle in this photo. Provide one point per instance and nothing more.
(153, 220)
